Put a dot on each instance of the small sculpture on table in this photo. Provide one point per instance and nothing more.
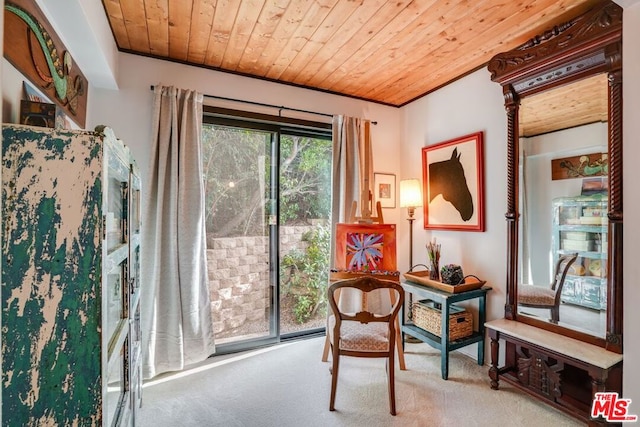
(452, 274)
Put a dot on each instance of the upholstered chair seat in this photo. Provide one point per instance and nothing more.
(356, 336)
(536, 295)
(549, 296)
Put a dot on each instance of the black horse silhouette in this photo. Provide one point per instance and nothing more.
(447, 178)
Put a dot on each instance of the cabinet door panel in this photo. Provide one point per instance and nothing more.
(116, 300)
(116, 404)
(591, 294)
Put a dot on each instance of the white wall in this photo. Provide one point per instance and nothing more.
(128, 110)
(471, 104)
(631, 177)
(83, 28)
(12, 92)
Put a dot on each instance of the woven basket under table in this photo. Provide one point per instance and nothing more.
(428, 316)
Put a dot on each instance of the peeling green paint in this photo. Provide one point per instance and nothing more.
(51, 302)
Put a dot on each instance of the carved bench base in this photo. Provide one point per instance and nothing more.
(565, 376)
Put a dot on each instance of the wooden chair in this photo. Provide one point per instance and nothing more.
(366, 219)
(542, 297)
(363, 334)
(392, 295)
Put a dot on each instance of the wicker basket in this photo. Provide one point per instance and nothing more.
(428, 316)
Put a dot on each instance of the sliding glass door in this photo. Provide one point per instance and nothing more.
(305, 212)
(268, 198)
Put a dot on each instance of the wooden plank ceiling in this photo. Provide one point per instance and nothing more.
(390, 52)
(575, 104)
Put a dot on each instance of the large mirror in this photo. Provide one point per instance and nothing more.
(563, 197)
(563, 99)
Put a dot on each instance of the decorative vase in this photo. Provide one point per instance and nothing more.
(434, 272)
(433, 251)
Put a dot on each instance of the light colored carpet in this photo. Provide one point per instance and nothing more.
(288, 385)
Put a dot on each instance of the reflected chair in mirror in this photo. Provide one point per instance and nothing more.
(364, 334)
(543, 297)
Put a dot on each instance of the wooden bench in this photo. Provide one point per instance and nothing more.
(559, 370)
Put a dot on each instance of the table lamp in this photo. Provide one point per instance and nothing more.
(410, 198)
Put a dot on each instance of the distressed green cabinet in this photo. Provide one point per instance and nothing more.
(70, 278)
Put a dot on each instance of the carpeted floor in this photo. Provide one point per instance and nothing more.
(288, 385)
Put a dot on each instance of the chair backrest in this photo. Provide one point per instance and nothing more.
(562, 268)
(365, 284)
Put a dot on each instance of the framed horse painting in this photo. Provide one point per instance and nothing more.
(453, 179)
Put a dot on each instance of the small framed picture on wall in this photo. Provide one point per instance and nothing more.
(385, 189)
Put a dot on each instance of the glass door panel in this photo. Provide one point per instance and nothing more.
(116, 301)
(240, 215)
(116, 406)
(117, 201)
(305, 232)
(135, 204)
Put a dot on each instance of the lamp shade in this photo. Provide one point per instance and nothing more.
(410, 193)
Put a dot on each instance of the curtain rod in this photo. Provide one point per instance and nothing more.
(267, 105)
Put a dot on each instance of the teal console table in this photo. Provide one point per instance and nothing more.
(445, 299)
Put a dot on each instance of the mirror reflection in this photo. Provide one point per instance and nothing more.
(563, 206)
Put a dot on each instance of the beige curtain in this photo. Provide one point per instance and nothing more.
(352, 173)
(352, 156)
(352, 168)
(176, 318)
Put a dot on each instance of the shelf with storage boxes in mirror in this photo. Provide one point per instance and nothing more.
(580, 226)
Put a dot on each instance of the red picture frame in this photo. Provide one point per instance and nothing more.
(453, 178)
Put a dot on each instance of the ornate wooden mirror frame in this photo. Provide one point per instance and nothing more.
(584, 46)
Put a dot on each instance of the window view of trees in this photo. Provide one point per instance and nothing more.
(236, 170)
(305, 179)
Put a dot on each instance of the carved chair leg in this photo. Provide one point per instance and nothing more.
(326, 349)
(391, 383)
(555, 314)
(334, 380)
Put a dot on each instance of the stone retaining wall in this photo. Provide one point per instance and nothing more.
(239, 280)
